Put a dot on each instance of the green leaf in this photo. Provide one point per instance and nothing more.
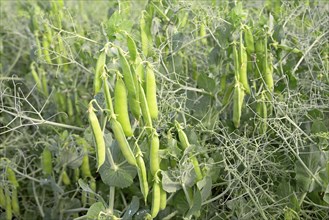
(205, 185)
(85, 187)
(131, 209)
(196, 206)
(122, 177)
(94, 210)
(311, 159)
(326, 195)
(206, 83)
(118, 22)
(168, 183)
(180, 203)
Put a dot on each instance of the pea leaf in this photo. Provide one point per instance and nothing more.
(326, 195)
(304, 179)
(131, 209)
(122, 177)
(206, 83)
(196, 205)
(169, 184)
(94, 210)
(205, 186)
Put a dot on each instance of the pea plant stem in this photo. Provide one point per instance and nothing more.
(111, 200)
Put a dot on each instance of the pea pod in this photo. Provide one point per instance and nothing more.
(122, 141)
(12, 177)
(65, 178)
(98, 72)
(144, 37)
(36, 76)
(268, 74)
(93, 187)
(46, 49)
(145, 109)
(98, 135)
(142, 174)
(163, 199)
(108, 98)
(14, 202)
(260, 50)
(140, 72)
(151, 92)
(261, 110)
(132, 48)
(9, 212)
(85, 168)
(76, 174)
(121, 106)
(238, 98)
(243, 69)
(203, 34)
(84, 198)
(2, 198)
(46, 162)
(185, 144)
(155, 199)
(249, 40)
(236, 61)
(133, 100)
(154, 154)
(127, 74)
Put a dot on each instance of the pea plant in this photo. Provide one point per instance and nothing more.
(164, 109)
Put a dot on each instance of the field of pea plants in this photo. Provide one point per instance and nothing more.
(164, 109)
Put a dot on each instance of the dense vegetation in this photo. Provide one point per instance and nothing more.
(164, 109)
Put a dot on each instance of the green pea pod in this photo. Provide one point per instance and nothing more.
(127, 74)
(122, 141)
(46, 49)
(203, 34)
(76, 174)
(98, 72)
(154, 154)
(268, 75)
(140, 72)
(243, 69)
(144, 37)
(108, 98)
(236, 61)
(46, 162)
(132, 48)
(156, 197)
(249, 40)
(142, 174)
(260, 49)
(84, 198)
(134, 98)
(121, 106)
(2, 198)
(185, 144)
(12, 177)
(93, 187)
(238, 98)
(9, 212)
(163, 199)
(65, 178)
(69, 103)
(98, 135)
(145, 109)
(85, 167)
(228, 94)
(151, 92)
(36, 76)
